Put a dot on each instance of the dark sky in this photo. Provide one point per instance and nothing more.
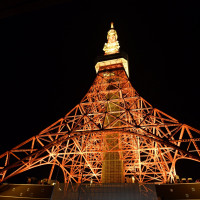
(48, 58)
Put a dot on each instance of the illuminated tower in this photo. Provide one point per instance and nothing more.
(112, 135)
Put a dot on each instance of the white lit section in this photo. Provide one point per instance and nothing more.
(111, 62)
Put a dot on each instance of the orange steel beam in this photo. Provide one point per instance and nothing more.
(150, 141)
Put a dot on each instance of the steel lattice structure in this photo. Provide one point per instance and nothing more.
(111, 123)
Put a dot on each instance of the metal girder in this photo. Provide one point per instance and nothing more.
(111, 117)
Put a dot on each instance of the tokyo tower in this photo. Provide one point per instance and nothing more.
(112, 135)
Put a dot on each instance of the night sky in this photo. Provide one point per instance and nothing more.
(47, 59)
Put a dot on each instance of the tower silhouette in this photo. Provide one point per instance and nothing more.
(112, 136)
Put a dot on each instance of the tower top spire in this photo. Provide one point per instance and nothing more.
(112, 45)
(112, 55)
(112, 25)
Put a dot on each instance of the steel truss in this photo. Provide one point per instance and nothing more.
(149, 141)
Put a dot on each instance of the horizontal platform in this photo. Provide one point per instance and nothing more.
(112, 59)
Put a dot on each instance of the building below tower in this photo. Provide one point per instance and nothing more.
(106, 191)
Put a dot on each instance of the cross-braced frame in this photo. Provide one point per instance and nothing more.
(111, 118)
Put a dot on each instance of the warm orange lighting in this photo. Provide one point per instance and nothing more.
(113, 134)
(112, 46)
